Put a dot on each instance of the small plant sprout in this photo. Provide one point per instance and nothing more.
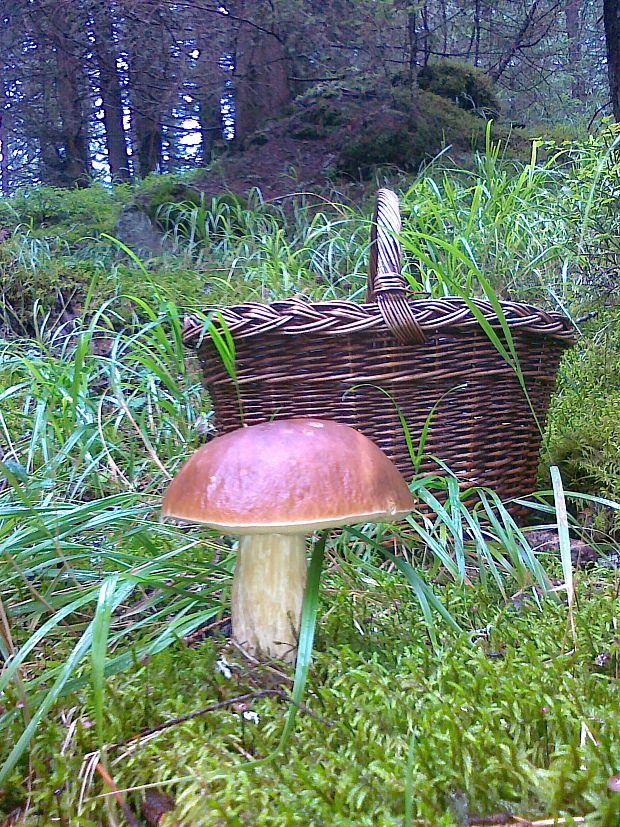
(273, 484)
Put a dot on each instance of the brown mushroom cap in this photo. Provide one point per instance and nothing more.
(290, 476)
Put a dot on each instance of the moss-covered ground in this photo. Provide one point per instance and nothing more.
(515, 716)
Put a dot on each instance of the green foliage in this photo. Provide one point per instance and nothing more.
(466, 85)
(583, 436)
(497, 725)
(65, 214)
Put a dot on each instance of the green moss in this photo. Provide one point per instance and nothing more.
(467, 86)
(319, 117)
(64, 288)
(56, 285)
(496, 725)
(403, 146)
(184, 286)
(258, 139)
(448, 124)
(308, 132)
(583, 432)
(165, 192)
(409, 135)
(67, 215)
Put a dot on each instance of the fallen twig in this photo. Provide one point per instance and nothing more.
(248, 696)
(131, 819)
(255, 662)
(180, 719)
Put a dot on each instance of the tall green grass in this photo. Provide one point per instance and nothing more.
(96, 416)
(88, 568)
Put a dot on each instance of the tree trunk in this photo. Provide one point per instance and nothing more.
(149, 81)
(261, 76)
(5, 116)
(5, 176)
(426, 35)
(210, 122)
(112, 101)
(496, 73)
(573, 33)
(477, 33)
(611, 19)
(61, 128)
(211, 43)
(412, 36)
(148, 140)
(76, 164)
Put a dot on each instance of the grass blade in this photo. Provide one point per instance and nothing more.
(564, 539)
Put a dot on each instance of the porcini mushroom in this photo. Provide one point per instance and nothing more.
(273, 484)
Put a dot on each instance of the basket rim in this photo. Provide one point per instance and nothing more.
(299, 316)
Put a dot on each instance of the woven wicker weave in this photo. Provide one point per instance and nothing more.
(339, 359)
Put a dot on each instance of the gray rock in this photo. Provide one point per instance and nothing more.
(136, 230)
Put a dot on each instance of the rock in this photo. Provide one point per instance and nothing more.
(136, 231)
(547, 540)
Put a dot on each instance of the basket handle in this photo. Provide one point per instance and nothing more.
(386, 284)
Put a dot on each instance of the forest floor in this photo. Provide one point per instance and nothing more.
(464, 672)
(514, 723)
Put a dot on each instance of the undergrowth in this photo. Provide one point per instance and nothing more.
(509, 718)
(434, 694)
(583, 432)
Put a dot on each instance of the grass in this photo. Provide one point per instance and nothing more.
(439, 643)
(94, 578)
(511, 717)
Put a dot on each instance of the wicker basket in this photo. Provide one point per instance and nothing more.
(356, 362)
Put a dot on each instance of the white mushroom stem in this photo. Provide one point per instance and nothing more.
(268, 592)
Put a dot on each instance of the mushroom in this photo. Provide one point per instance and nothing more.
(272, 484)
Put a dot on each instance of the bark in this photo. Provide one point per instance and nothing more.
(5, 175)
(573, 33)
(211, 43)
(76, 165)
(426, 35)
(5, 116)
(611, 19)
(412, 34)
(444, 27)
(516, 43)
(150, 42)
(110, 90)
(148, 139)
(61, 126)
(477, 33)
(261, 75)
(210, 123)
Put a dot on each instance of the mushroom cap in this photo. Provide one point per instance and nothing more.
(290, 476)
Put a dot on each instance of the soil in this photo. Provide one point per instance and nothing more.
(278, 167)
(301, 150)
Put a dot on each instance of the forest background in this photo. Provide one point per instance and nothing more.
(91, 89)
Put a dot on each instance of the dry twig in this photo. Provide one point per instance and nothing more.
(107, 778)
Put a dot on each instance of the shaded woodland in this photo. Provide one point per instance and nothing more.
(128, 87)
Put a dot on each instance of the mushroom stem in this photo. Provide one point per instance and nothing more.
(268, 592)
